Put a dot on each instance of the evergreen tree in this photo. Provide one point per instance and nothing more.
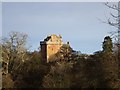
(107, 44)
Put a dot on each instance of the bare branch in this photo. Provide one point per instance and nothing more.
(115, 7)
(14, 49)
(114, 16)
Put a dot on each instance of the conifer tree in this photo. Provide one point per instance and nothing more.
(107, 44)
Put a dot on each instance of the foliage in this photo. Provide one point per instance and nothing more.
(114, 21)
(59, 76)
(107, 65)
(107, 44)
(67, 69)
(7, 81)
(32, 73)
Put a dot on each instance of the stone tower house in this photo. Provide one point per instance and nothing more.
(50, 46)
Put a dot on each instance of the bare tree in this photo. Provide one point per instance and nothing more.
(14, 51)
(116, 34)
(115, 22)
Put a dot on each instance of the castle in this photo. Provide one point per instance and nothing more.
(50, 46)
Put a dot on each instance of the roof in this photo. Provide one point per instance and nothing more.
(52, 39)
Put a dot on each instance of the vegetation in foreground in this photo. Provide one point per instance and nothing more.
(25, 69)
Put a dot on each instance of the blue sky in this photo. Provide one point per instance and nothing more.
(77, 22)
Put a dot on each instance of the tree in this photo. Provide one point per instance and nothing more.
(59, 75)
(14, 51)
(116, 34)
(32, 73)
(114, 20)
(107, 65)
(107, 44)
